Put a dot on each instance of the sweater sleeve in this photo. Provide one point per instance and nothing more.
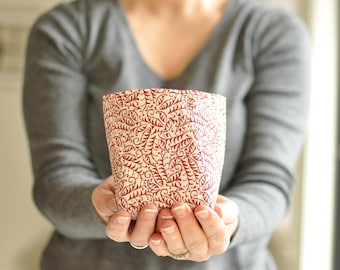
(55, 112)
(277, 106)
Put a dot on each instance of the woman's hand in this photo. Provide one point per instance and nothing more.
(195, 235)
(119, 226)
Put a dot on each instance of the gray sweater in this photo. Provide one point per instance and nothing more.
(257, 57)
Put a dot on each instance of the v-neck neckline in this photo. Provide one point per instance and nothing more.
(139, 57)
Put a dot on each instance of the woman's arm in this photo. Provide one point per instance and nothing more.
(278, 104)
(55, 110)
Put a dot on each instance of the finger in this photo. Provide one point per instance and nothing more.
(164, 214)
(215, 230)
(158, 245)
(227, 209)
(118, 226)
(229, 212)
(191, 231)
(172, 237)
(103, 200)
(144, 226)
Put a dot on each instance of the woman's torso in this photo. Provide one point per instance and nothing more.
(112, 62)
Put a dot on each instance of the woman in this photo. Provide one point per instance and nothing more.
(254, 54)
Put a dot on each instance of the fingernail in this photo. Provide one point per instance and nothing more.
(156, 242)
(149, 213)
(180, 211)
(123, 220)
(112, 205)
(167, 217)
(169, 230)
(203, 214)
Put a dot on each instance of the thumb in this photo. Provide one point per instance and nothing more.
(104, 200)
(227, 209)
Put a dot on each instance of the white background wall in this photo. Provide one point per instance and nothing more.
(318, 204)
(24, 232)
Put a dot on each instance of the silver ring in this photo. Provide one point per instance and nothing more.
(182, 256)
(138, 247)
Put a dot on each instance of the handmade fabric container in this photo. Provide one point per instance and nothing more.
(165, 146)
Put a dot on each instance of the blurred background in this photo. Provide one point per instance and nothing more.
(308, 238)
